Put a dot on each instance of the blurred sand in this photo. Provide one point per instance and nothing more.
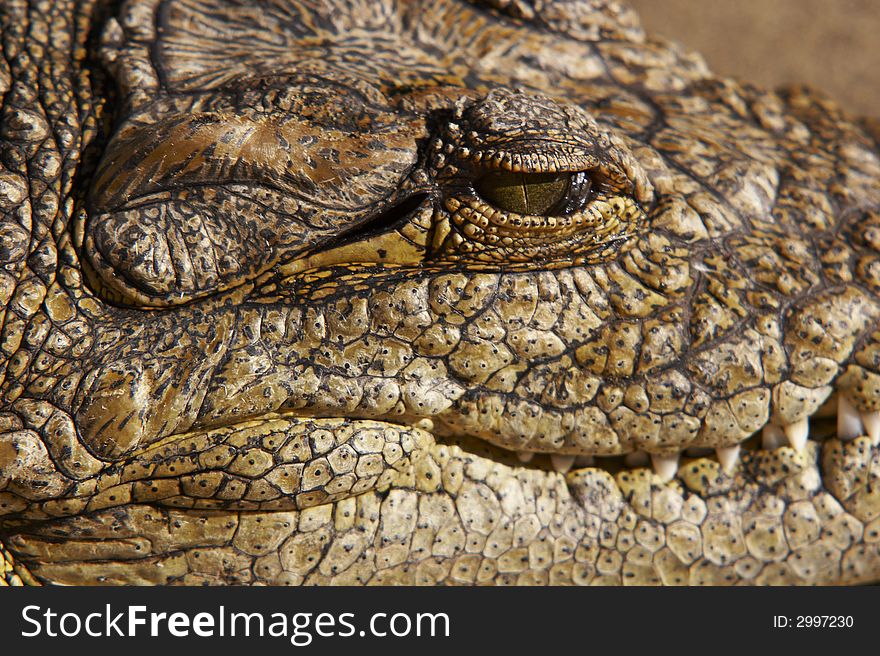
(833, 45)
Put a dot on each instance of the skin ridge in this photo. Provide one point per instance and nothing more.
(200, 383)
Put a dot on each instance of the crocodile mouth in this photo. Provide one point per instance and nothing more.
(836, 418)
(720, 521)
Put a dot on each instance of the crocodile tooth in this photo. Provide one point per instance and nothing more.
(871, 422)
(665, 466)
(728, 457)
(584, 461)
(561, 463)
(772, 437)
(849, 424)
(797, 433)
(636, 459)
(525, 456)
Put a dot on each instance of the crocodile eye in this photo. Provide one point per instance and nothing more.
(536, 194)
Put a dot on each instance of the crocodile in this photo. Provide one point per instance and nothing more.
(398, 292)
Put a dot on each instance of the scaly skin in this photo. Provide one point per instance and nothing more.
(273, 314)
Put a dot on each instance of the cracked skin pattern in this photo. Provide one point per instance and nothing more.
(274, 310)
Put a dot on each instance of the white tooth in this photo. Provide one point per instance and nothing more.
(772, 437)
(849, 424)
(797, 433)
(636, 459)
(525, 456)
(871, 421)
(665, 466)
(584, 461)
(561, 463)
(728, 457)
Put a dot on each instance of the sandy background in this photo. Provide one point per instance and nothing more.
(834, 45)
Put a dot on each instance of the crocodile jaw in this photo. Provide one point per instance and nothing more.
(333, 501)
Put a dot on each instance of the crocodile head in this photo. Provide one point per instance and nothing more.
(405, 292)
